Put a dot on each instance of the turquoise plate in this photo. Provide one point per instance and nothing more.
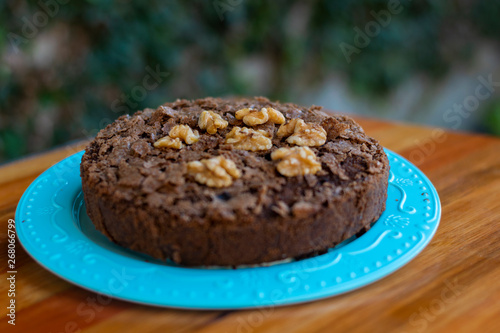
(55, 230)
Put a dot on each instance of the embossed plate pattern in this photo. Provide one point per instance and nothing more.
(54, 229)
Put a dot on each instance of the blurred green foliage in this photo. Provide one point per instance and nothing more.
(63, 81)
(492, 118)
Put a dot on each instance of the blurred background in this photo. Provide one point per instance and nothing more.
(68, 68)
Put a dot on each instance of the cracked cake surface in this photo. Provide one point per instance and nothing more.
(233, 181)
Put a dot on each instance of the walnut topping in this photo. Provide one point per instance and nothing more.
(296, 161)
(248, 139)
(275, 116)
(288, 128)
(185, 133)
(178, 132)
(168, 142)
(252, 117)
(214, 172)
(211, 121)
(301, 133)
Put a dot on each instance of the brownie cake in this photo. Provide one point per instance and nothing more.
(233, 181)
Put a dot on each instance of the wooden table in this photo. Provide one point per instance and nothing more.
(452, 286)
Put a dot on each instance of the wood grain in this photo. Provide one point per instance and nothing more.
(453, 285)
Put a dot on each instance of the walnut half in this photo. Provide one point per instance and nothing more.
(175, 137)
(252, 117)
(301, 133)
(296, 161)
(211, 121)
(214, 172)
(248, 139)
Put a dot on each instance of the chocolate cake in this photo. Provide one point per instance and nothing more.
(233, 181)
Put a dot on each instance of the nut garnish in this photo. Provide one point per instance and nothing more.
(275, 116)
(168, 142)
(214, 172)
(288, 128)
(248, 139)
(178, 132)
(296, 161)
(185, 133)
(211, 121)
(301, 133)
(252, 117)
